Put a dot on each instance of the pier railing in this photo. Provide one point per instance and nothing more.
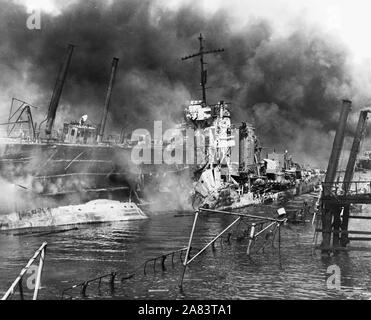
(86, 283)
(340, 191)
(18, 282)
(258, 227)
(66, 293)
(335, 220)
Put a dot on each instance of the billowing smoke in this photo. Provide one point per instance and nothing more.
(290, 87)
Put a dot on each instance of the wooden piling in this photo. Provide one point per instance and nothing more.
(336, 226)
(251, 239)
(344, 226)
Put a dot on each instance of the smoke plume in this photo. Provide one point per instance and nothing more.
(290, 87)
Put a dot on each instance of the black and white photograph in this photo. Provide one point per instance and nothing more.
(181, 156)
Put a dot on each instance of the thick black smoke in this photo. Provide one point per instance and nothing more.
(289, 87)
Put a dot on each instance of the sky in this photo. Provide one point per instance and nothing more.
(286, 67)
(347, 19)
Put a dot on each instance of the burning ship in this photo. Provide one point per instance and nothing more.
(46, 167)
(50, 168)
(234, 174)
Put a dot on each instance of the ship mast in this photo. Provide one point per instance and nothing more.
(201, 54)
(115, 62)
(58, 91)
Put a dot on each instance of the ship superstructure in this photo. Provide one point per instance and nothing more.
(234, 172)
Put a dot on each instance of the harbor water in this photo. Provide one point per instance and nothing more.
(295, 271)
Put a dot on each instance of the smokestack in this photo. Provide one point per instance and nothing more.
(338, 144)
(108, 98)
(58, 91)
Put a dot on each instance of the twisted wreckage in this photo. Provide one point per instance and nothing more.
(79, 163)
(235, 174)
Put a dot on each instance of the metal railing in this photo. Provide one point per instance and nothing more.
(116, 274)
(258, 226)
(162, 258)
(84, 285)
(359, 187)
(18, 281)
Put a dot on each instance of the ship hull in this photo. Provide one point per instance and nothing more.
(97, 211)
(51, 174)
(276, 197)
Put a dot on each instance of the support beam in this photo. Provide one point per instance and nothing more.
(344, 240)
(330, 210)
(39, 271)
(16, 282)
(251, 238)
(213, 240)
(349, 171)
(189, 248)
(253, 221)
(337, 209)
(338, 143)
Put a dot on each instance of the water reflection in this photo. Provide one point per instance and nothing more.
(224, 273)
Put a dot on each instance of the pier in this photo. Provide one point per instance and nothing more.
(338, 196)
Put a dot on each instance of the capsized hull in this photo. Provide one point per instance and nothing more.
(96, 211)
